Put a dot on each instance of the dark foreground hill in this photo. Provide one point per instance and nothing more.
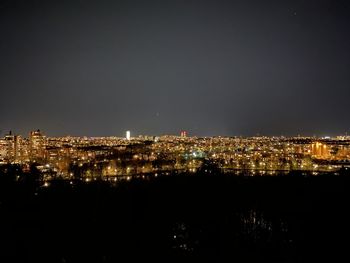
(177, 218)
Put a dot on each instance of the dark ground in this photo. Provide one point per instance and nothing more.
(177, 218)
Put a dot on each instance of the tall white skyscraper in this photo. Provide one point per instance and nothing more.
(128, 135)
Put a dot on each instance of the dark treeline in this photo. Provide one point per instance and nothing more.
(211, 218)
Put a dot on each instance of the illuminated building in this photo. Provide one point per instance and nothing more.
(320, 150)
(37, 144)
(3, 149)
(183, 134)
(10, 147)
(128, 135)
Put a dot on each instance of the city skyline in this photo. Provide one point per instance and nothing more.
(208, 67)
(122, 158)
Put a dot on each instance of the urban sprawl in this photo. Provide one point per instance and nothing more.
(114, 158)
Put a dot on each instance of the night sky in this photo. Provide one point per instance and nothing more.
(159, 67)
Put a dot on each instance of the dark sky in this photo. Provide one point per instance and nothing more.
(158, 67)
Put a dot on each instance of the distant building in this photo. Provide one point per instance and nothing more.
(37, 144)
(183, 134)
(11, 145)
(128, 136)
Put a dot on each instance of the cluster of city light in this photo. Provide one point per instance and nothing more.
(113, 157)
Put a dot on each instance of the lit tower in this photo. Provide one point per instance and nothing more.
(36, 144)
(11, 146)
(128, 135)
